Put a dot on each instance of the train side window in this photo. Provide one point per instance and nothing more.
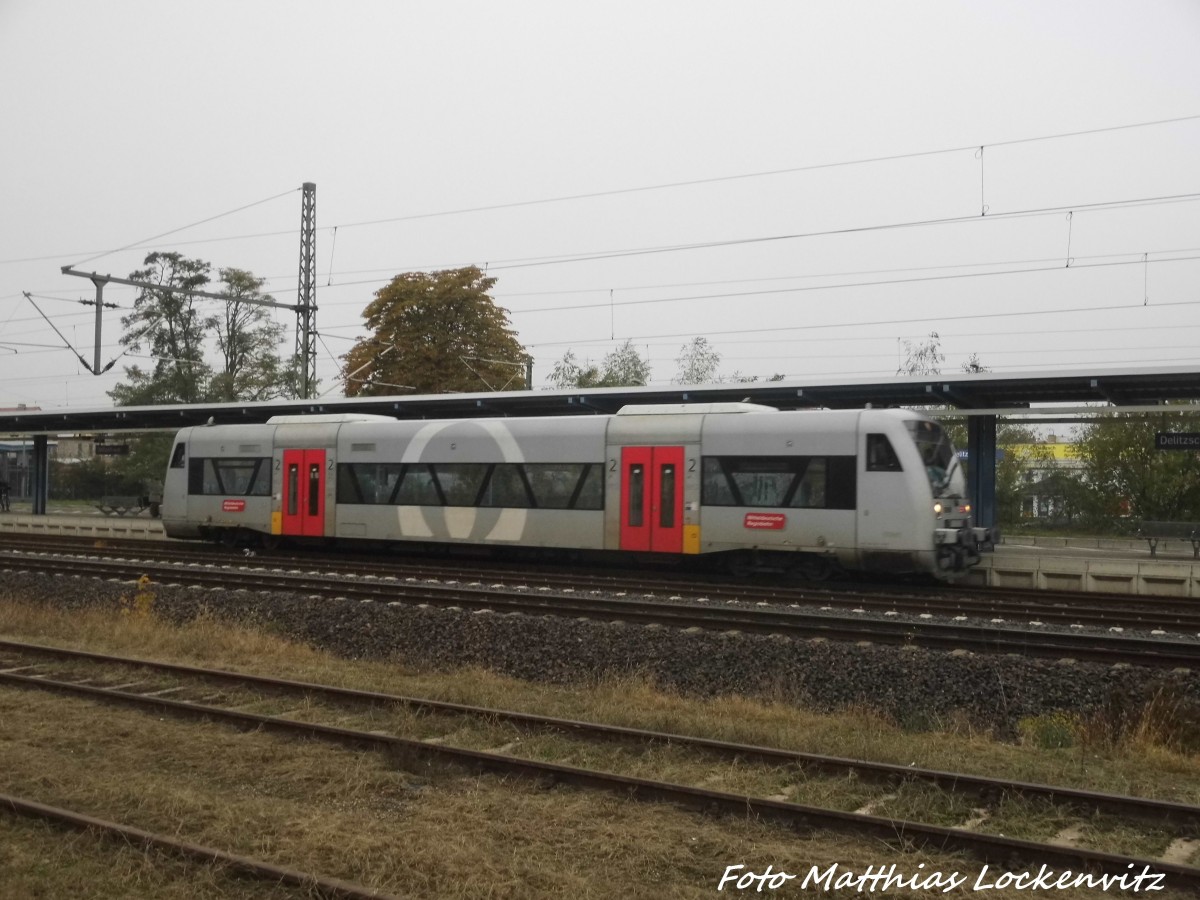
(241, 477)
(799, 482)
(177, 455)
(460, 482)
(371, 483)
(350, 484)
(589, 493)
(880, 455)
(418, 488)
(715, 487)
(195, 476)
(809, 491)
(507, 488)
(554, 484)
(764, 482)
(841, 482)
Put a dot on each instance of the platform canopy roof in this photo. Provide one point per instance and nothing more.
(973, 394)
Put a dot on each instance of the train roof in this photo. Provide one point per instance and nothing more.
(692, 409)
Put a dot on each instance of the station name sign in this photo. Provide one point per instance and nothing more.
(1177, 440)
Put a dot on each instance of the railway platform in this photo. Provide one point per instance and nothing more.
(1117, 566)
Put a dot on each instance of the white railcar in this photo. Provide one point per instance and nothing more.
(813, 491)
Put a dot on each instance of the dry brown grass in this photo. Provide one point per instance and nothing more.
(355, 816)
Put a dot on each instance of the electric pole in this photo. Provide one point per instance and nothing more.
(306, 306)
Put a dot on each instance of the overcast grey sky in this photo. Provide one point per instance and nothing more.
(124, 120)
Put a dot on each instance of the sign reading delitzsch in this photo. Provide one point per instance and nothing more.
(1177, 440)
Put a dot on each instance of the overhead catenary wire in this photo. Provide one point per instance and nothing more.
(894, 157)
(1123, 204)
(156, 237)
(772, 172)
(810, 326)
(600, 255)
(840, 285)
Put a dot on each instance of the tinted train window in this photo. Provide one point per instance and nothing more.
(460, 482)
(230, 477)
(177, 456)
(589, 494)
(715, 489)
(841, 482)
(507, 488)
(634, 484)
(666, 491)
(799, 482)
(494, 485)
(810, 492)
(554, 484)
(418, 488)
(880, 455)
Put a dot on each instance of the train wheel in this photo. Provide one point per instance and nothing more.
(739, 564)
(813, 568)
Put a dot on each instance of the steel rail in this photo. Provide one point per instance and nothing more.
(243, 865)
(1101, 648)
(1011, 604)
(990, 849)
(1144, 809)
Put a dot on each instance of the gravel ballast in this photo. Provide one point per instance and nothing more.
(915, 686)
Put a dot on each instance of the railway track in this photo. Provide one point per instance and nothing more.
(318, 885)
(1011, 607)
(106, 679)
(762, 619)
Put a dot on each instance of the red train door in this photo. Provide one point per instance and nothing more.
(652, 499)
(304, 492)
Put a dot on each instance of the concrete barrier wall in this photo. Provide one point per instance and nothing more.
(98, 526)
(1161, 578)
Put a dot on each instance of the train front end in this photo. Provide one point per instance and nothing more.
(957, 541)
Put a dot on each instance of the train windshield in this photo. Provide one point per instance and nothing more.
(937, 453)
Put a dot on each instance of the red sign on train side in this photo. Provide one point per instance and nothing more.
(233, 505)
(765, 521)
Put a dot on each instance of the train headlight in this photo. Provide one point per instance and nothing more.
(937, 508)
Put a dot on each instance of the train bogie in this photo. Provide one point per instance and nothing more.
(812, 491)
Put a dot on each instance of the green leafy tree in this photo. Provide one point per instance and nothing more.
(622, 367)
(568, 373)
(1020, 451)
(168, 325)
(973, 366)
(1127, 475)
(922, 357)
(436, 332)
(141, 471)
(699, 363)
(248, 340)
(625, 367)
